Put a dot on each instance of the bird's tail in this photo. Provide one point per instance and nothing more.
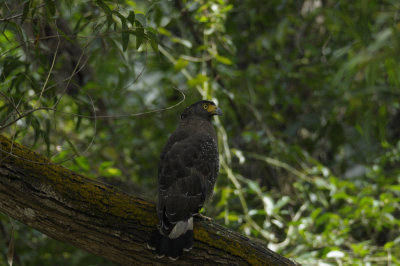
(173, 243)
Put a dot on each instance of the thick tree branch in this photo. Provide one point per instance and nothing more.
(103, 220)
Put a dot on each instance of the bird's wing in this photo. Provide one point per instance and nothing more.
(187, 171)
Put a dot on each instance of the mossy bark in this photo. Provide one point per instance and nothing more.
(103, 220)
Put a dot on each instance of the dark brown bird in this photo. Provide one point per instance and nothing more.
(187, 171)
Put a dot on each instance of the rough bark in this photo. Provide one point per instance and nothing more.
(103, 220)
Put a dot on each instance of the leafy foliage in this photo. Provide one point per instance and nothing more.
(309, 140)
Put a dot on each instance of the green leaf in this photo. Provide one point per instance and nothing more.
(131, 17)
(233, 217)
(388, 245)
(281, 202)
(104, 6)
(153, 41)
(224, 60)
(139, 33)
(164, 31)
(342, 195)
(150, 29)
(360, 249)
(180, 64)
(72, 147)
(106, 169)
(225, 193)
(82, 163)
(184, 42)
(59, 157)
(395, 187)
(140, 18)
(124, 34)
(6, 36)
(110, 21)
(25, 12)
(198, 80)
(111, 171)
(315, 213)
(50, 5)
(9, 65)
(392, 69)
(254, 186)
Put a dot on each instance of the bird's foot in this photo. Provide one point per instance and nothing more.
(200, 217)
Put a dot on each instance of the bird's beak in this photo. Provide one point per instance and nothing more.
(214, 110)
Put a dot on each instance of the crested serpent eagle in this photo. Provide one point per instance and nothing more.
(187, 171)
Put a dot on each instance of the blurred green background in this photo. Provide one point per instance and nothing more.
(310, 90)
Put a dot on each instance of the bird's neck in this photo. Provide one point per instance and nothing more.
(195, 120)
(198, 124)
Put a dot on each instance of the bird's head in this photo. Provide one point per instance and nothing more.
(203, 109)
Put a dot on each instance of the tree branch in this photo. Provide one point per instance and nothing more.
(103, 220)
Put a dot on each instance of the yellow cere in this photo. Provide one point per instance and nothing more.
(210, 108)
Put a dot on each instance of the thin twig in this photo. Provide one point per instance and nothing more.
(51, 68)
(13, 105)
(290, 230)
(91, 141)
(95, 125)
(278, 163)
(95, 117)
(242, 200)
(24, 115)
(183, 70)
(19, 15)
(73, 74)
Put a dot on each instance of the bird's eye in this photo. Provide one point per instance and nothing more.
(205, 106)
